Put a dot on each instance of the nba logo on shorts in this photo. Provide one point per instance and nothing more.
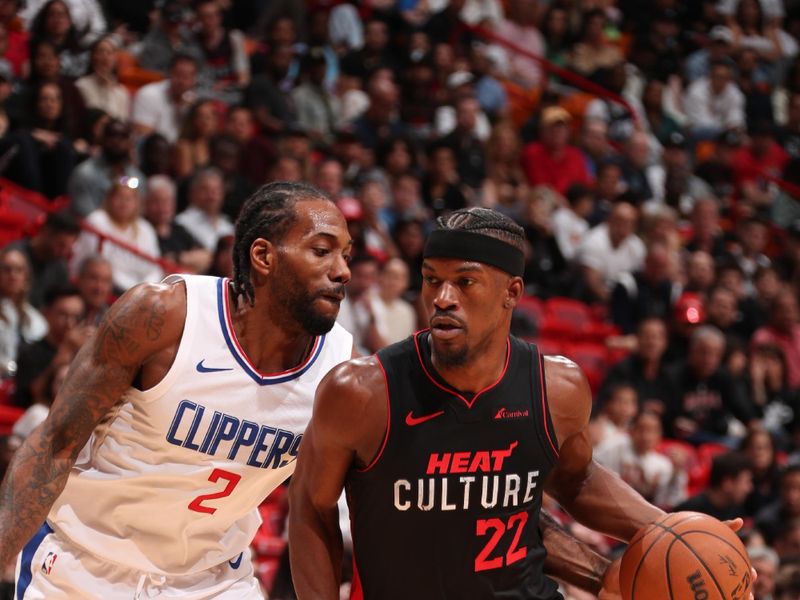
(49, 561)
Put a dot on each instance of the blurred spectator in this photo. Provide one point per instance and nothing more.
(618, 407)
(658, 49)
(226, 156)
(662, 125)
(714, 103)
(777, 403)
(356, 313)
(592, 50)
(395, 318)
(222, 261)
(20, 322)
(52, 378)
(267, 93)
(381, 121)
(672, 181)
(168, 39)
(468, 149)
(635, 459)
(787, 583)
(774, 517)
(749, 253)
(91, 180)
(706, 398)
(192, 150)
(86, 16)
(100, 88)
(569, 222)
(752, 30)
(95, 283)
(441, 186)
(595, 146)
(47, 252)
(722, 311)
(409, 236)
(635, 160)
(118, 218)
(257, 151)
(765, 561)
(505, 186)
(545, 268)
(609, 250)
(330, 178)
(706, 232)
(174, 241)
(489, 90)
(650, 292)
(375, 54)
(54, 24)
(699, 273)
(645, 369)
(160, 106)
(759, 446)
(204, 217)
(318, 108)
(156, 155)
(622, 120)
(783, 331)
(717, 170)
(553, 161)
(720, 46)
(407, 200)
(729, 484)
(63, 310)
(755, 162)
(460, 88)
(519, 27)
(225, 60)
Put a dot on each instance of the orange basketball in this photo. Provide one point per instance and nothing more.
(685, 556)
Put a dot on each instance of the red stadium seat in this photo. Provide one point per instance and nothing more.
(592, 358)
(567, 310)
(9, 416)
(533, 307)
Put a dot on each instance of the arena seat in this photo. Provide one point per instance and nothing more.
(592, 358)
(8, 416)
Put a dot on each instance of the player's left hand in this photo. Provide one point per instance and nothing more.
(611, 589)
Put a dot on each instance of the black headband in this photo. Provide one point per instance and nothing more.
(468, 245)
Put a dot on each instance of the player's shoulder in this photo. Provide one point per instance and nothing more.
(355, 377)
(569, 396)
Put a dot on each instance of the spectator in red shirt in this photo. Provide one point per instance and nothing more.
(783, 331)
(553, 161)
(755, 162)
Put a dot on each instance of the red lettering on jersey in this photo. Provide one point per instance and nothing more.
(460, 462)
(442, 464)
(500, 455)
(480, 462)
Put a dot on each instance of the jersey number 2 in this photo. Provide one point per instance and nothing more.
(217, 474)
(498, 528)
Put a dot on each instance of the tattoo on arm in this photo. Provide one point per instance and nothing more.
(100, 373)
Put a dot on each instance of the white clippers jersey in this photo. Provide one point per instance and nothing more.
(169, 483)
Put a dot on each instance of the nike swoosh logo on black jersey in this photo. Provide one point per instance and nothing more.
(411, 420)
(203, 369)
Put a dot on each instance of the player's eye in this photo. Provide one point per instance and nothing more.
(321, 251)
(465, 282)
(430, 280)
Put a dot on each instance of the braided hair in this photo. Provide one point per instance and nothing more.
(268, 214)
(485, 221)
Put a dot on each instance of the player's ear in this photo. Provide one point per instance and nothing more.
(514, 291)
(262, 257)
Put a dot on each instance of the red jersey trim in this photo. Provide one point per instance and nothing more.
(388, 421)
(544, 403)
(451, 391)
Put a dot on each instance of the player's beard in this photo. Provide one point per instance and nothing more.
(299, 303)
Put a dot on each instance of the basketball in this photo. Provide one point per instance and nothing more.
(685, 556)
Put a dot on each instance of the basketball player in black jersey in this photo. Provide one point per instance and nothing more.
(446, 442)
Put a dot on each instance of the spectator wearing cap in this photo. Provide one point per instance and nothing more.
(168, 38)
(552, 160)
(650, 292)
(47, 252)
(645, 369)
(100, 87)
(174, 241)
(204, 217)
(706, 399)
(92, 178)
(160, 106)
(783, 331)
(318, 108)
(226, 65)
(756, 162)
(267, 95)
(609, 250)
(714, 103)
(63, 310)
(569, 222)
(730, 481)
(720, 46)
(118, 218)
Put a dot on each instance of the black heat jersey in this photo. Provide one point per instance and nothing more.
(449, 509)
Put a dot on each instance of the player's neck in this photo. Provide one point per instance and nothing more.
(479, 372)
(270, 345)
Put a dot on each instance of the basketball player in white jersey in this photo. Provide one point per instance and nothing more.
(180, 416)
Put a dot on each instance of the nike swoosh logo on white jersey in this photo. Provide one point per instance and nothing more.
(201, 368)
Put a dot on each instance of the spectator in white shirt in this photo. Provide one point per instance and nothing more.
(394, 317)
(204, 218)
(100, 87)
(714, 104)
(119, 219)
(569, 222)
(609, 250)
(634, 458)
(161, 106)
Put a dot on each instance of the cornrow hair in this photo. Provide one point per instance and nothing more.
(487, 222)
(268, 214)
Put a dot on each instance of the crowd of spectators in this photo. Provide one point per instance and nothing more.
(651, 151)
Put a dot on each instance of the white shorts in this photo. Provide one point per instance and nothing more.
(51, 568)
